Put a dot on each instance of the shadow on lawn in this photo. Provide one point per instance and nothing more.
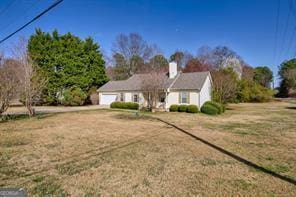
(234, 156)
(294, 107)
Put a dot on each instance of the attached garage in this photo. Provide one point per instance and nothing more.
(107, 99)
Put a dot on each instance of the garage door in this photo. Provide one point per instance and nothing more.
(107, 99)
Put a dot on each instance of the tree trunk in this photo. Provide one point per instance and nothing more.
(31, 111)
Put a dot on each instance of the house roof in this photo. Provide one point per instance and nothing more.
(186, 81)
(190, 81)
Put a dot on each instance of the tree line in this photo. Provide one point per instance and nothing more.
(55, 69)
(234, 80)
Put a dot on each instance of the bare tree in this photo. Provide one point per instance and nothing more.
(132, 45)
(9, 84)
(248, 73)
(225, 85)
(181, 58)
(235, 64)
(220, 57)
(153, 87)
(130, 54)
(32, 81)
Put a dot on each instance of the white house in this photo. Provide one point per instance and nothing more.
(180, 88)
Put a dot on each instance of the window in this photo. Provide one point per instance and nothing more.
(162, 97)
(135, 98)
(184, 97)
(121, 96)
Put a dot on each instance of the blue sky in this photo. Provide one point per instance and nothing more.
(246, 26)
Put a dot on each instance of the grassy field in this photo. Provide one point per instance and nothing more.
(105, 152)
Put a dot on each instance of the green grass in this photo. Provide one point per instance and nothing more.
(279, 168)
(48, 186)
(72, 168)
(239, 128)
(242, 184)
(6, 118)
(12, 142)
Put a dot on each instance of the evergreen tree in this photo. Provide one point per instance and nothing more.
(67, 61)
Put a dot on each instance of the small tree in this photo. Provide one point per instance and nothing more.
(33, 81)
(9, 84)
(152, 86)
(290, 76)
(225, 85)
(263, 75)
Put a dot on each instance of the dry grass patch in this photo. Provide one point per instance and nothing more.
(264, 133)
(104, 152)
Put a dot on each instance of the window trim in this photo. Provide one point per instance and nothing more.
(180, 97)
(138, 98)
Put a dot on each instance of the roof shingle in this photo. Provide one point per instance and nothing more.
(186, 81)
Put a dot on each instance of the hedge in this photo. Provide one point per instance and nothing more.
(209, 109)
(192, 109)
(219, 106)
(174, 108)
(182, 108)
(124, 105)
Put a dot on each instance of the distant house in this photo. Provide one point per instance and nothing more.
(179, 88)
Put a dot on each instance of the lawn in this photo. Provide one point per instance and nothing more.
(103, 152)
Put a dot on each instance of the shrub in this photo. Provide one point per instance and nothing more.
(209, 109)
(192, 109)
(124, 105)
(223, 107)
(174, 108)
(260, 94)
(253, 92)
(131, 105)
(216, 105)
(73, 97)
(93, 96)
(182, 108)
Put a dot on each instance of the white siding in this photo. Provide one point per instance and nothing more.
(173, 98)
(206, 91)
(128, 97)
(194, 98)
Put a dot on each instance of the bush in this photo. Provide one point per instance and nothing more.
(219, 106)
(253, 92)
(209, 109)
(223, 107)
(174, 108)
(73, 97)
(182, 108)
(192, 109)
(124, 105)
(261, 94)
